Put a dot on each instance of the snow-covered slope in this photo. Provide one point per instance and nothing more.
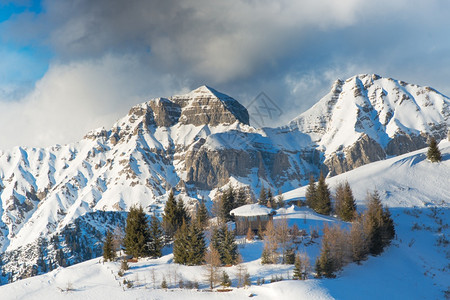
(408, 180)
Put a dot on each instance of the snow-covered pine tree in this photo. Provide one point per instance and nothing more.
(136, 233)
(434, 154)
(108, 250)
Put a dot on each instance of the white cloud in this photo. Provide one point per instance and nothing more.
(72, 99)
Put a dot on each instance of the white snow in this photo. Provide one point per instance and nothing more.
(251, 210)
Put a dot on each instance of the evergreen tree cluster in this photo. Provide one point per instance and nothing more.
(189, 245)
(318, 196)
(370, 233)
(175, 214)
(224, 241)
(141, 238)
(229, 200)
(345, 205)
(266, 198)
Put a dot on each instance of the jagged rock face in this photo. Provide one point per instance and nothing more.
(362, 152)
(207, 106)
(401, 144)
(209, 169)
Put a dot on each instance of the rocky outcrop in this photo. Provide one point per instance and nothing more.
(206, 106)
(166, 113)
(402, 144)
(209, 169)
(362, 152)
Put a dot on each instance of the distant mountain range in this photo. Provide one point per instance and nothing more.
(198, 143)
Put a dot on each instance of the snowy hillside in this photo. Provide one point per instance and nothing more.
(415, 266)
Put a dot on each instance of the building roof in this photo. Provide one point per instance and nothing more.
(250, 210)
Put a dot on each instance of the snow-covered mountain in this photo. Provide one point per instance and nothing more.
(368, 118)
(198, 143)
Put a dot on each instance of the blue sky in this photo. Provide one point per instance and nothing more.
(70, 66)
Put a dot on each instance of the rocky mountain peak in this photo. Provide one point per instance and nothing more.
(392, 116)
(202, 106)
(206, 106)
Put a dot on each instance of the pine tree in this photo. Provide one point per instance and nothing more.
(224, 242)
(180, 245)
(265, 256)
(270, 199)
(226, 282)
(182, 214)
(280, 201)
(345, 202)
(324, 263)
(241, 197)
(155, 243)
(262, 197)
(298, 270)
(202, 215)
(388, 229)
(227, 204)
(434, 154)
(373, 221)
(136, 233)
(229, 247)
(170, 217)
(311, 193)
(108, 252)
(323, 201)
(196, 246)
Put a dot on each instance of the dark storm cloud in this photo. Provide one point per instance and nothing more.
(291, 50)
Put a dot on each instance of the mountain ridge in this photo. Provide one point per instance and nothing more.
(193, 143)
